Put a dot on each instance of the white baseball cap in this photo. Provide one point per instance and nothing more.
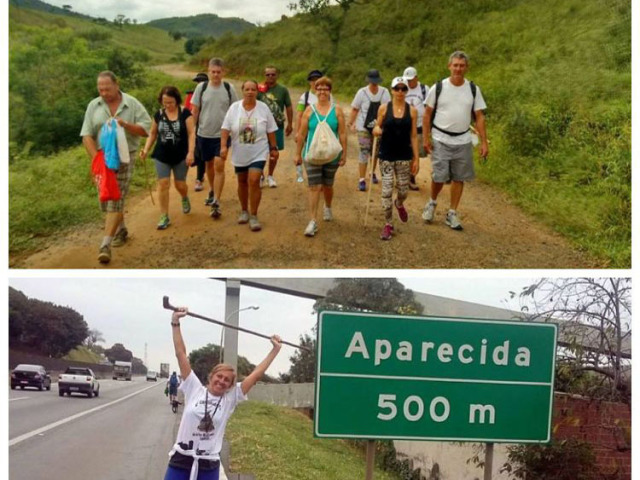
(410, 73)
(398, 80)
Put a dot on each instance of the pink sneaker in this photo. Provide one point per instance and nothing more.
(402, 212)
(386, 232)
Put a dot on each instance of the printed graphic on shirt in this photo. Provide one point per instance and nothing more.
(248, 130)
(167, 135)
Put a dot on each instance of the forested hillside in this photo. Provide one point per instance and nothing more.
(556, 76)
(205, 25)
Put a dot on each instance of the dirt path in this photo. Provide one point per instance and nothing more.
(496, 234)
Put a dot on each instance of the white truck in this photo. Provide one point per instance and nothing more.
(78, 380)
(164, 370)
(122, 370)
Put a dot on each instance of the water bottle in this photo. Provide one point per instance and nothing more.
(299, 173)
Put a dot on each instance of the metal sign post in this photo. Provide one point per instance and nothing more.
(371, 456)
(488, 461)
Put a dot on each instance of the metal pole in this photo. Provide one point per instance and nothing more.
(371, 455)
(488, 461)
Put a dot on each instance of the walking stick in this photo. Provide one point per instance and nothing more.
(166, 304)
(374, 158)
(146, 181)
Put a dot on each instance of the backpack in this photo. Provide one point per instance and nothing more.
(272, 103)
(173, 381)
(435, 106)
(372, 114)
(324, 146)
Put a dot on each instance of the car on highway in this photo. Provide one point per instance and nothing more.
(152, 376)
(25, 375)
(78, 380)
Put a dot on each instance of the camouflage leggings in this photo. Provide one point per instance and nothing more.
(402, 170)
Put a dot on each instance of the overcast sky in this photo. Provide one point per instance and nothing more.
(143, 11)
(129, 311)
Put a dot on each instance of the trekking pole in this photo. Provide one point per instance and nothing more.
(166, 304)
(146, 181)
(374, 157)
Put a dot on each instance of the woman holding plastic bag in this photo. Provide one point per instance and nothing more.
(323, 154)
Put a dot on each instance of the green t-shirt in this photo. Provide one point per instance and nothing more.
(277, 99)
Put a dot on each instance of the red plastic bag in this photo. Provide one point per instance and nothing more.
(105, 179)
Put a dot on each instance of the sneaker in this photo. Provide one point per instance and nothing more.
(271, 182)
(429, 211)
(413, 186)
(215, 210)
(453, 221)
(164, 222)
(386, 232)
(374, 179)
(209, 201)
(402, 212)
(105, 254)
(198, 186)
(254, 224)
(362, 186)
(186, 205)
(311, 229)
(328, 214)
(120, 238)
(243, 218)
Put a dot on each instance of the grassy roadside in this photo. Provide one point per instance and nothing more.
(276, 442)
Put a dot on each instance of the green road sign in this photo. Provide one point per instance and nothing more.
(433, 378)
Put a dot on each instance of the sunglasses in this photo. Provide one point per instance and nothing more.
(401, 89)
(270, 74)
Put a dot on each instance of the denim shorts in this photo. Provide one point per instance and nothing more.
(259, 165)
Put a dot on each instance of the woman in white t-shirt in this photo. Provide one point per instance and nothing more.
(252, 128)
(207, 410)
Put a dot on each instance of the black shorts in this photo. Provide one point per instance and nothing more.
(209, 147)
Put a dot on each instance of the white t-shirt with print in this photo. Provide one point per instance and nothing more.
(454, 111)
(363, 99)
(248, 130)
(206, 443)
(415, 99)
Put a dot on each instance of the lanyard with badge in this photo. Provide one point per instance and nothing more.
(206, 424)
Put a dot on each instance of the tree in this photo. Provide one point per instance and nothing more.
(93, 337)
(193, 45)
(303, 362)
(594, 316)
(118, 353)
(67, 8)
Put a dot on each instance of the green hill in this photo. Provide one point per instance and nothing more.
(556, 76)
(205, 25)
(45, 7)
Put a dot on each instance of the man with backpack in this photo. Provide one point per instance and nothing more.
(364, 111)
(210, 103)
(278, 100)
(415, 97)
(451, 106)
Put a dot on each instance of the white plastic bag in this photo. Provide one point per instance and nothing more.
(123, 146)
(324, 146)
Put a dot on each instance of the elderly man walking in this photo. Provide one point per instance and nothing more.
(451, 106)
(134, 119)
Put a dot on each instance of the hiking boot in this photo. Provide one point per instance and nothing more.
(186, 205)
(387, 231)
(374, 179)
(120, 238)
(215, 210)
(362, 186)
(105, 254)
(328, 214)
(243, 218)
(453, 221)
(254, 224)
(164, 222)
(402, 212)
(311, 229)
(429, 211)
(209, 201)
(198, 186)
(271, 182)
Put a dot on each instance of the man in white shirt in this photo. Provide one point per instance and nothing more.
(456, 102)
(416, 96)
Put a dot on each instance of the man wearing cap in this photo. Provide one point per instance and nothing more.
(364, 109)
(416, 96)
(278, 100)
(456, 102)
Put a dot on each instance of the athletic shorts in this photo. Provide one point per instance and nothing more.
(164, 170)
(257, 165)
(125, 172)
(452, 162)
(280, 138)
(321, 174)
(174, 473)
(365, 140)
(209, 147)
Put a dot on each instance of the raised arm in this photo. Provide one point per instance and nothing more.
(178, 342)
(253, 377)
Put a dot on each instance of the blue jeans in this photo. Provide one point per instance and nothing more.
(181, 474)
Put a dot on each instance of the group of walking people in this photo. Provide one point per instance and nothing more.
(410, 122)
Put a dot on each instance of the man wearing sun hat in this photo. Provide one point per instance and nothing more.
(416, 96)
(364, 109)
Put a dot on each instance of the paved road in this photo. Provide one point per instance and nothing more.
(125, 433)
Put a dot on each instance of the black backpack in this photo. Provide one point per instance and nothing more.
(372, 114)
(435, 106)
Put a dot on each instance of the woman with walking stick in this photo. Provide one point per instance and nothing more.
(207, 409)
(396, 126)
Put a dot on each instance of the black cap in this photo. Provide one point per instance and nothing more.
(201, 77)
(373, 76)
(314, 75)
